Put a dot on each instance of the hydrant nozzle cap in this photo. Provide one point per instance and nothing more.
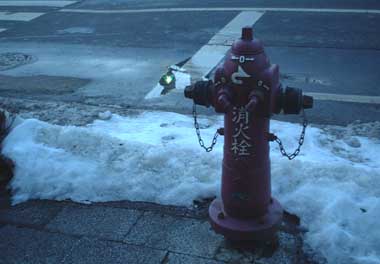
(247, 33)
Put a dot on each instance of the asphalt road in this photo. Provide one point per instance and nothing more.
(113, 52)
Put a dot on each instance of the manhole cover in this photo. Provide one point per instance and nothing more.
(11, 60)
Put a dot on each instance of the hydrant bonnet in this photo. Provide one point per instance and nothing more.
(247, 45)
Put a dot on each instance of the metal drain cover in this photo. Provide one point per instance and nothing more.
(11, 60)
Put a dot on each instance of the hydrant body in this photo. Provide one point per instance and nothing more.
(248, 91)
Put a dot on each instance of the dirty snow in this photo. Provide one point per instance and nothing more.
(334, 185)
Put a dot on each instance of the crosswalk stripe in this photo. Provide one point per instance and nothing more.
(19, 16)
(213, 52)
(37, 3)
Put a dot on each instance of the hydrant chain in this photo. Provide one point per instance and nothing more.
(300, 141)
(198, 131)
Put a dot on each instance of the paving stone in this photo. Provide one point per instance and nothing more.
(103, 222)
(96, 251)
(32, 213)
(181, 235)
(24, 245)
(180, 259)
(235, 256)
(285, 253)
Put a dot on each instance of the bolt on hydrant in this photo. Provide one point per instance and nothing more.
(247, 90)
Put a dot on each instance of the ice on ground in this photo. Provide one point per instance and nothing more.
(334, 185)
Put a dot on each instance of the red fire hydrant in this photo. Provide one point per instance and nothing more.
(248, 91)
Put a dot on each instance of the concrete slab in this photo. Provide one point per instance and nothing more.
(23, 245)
(200, 211)
(180, 235)
(36, 213)
(97, 251)
(101, 222)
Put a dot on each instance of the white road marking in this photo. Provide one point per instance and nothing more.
(213, 52)
(182, 80)
(349, 98)
(2, 29)
(19, 16)
(155, 92)
(37, 3)
(216, 9)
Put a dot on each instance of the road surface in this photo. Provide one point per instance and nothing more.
(114, 52)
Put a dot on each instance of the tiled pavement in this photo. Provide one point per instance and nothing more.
(44, 231)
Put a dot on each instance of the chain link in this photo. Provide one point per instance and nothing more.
(198, 131)
(300, 140)
(275, 138)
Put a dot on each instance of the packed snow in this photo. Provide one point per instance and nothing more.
(333, 185)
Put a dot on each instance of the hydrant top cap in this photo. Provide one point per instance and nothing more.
(247, 33)
(247, 45)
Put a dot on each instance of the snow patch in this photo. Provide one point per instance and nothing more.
(105, 115)
(333, 185)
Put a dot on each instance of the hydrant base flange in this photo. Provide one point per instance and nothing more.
(263, 228)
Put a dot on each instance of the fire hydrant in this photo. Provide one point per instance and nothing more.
(247, 90)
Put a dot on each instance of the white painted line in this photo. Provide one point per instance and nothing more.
(213, 52)
(19, 16)
(216, 9)
(204, 61)
(232, 30)
(349, 98)
(2, 29)
(37, 3)
(155, 92)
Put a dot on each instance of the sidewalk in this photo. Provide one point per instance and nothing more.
(43, 231)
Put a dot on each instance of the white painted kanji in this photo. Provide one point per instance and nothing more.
(241, 142)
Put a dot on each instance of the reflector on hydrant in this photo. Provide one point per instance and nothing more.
(248, 91)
